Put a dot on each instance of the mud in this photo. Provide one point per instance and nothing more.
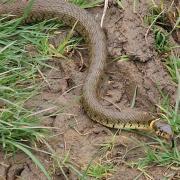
(75, 132)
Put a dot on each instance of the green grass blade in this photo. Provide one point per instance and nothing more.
(34, 159)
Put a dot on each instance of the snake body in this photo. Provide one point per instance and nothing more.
(94, 35)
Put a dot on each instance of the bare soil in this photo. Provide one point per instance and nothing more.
(79, 135)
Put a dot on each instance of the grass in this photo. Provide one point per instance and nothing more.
(157, 153)
(19, 81)
(87, 3)
(170, 113)
(163, 155)
(100, 170)
(163, 22)
(62, 162)
(172, 63)
(69, 42)
(161, 40)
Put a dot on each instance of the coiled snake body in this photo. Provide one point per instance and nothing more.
(93, 34)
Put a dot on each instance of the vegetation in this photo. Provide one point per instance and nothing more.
(20, 77)
(158, 20)
(87, 3)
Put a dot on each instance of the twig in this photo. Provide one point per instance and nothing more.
(41, 111)
(104, 11)
(45, 79)
(82, 61)
(70, 89)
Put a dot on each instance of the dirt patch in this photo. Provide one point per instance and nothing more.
(60, 96)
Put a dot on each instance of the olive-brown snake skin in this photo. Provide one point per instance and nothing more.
(92, 32)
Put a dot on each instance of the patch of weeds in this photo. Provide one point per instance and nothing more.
(164, 22)
(120, 3)
(161, 156)
(100, 170)
(103, 167)
(87, 3)
(67, 44)
(24, 51)
(162, 42)
(161, 37)
(173, 66)
(62, 164)
(121, 58)
(108, 145)
(19, 81)
(171, 114)
(70, 42)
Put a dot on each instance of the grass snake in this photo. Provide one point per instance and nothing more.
(94, 35)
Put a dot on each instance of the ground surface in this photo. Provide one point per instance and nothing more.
(79, 135)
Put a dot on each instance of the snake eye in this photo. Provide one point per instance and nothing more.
(159, 133)
(163, 129)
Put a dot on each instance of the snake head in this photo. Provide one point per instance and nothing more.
(163, 129)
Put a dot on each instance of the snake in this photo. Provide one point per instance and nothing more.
(84, 23)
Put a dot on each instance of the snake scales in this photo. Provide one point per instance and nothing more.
(93, 34)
